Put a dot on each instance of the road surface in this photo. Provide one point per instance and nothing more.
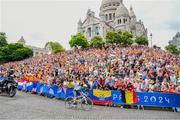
(28, 106)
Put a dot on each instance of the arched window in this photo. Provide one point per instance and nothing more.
(110, 16)
(119, 21)
(113, 16)
(89, 32)
(106, 17)
(97, 30)
(124, 20)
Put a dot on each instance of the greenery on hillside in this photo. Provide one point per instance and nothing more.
(172, 49)
(141, 40)
(3, 40)
(56, 47)
(78, 40)
(124, 38)
(97, 42)
(13, 51)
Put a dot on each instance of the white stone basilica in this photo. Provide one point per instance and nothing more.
(114, 16)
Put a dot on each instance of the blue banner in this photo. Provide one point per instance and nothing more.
(69, 93)
(38, 87)
(53, 90)
(146, 99)
(150, 99)
(117, 98)
(46, 89)
(159, 99)
(62, 92)
(29, 86)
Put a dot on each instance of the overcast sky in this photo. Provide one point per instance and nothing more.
(40, 21)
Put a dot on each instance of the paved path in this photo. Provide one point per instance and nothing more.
(28, 106)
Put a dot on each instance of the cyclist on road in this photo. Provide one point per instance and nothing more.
(78, 88)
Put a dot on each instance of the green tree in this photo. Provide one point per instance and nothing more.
(126, 38)
(172, 49)
(97, 42)
(113, 37)
(22, 53)
(13, 52)
(56, 47)
(141, 40)
(78, 40)
(3, 40)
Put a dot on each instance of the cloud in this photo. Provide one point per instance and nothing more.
(40, 21)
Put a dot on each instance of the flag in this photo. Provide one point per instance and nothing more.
(131, 97)
(20, 84)
(24, 85)
(102, 97)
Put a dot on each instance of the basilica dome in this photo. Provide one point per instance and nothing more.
(122, 11)
(107, 2)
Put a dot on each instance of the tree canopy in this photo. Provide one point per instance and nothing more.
(97, 42)
(78, 40)
(56, 47)
(14, 52)
(126, 38)
(3, 40)
(172, 49)
(113, 37)
(123, 38)
(141, 40)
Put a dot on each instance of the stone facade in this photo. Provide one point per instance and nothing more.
(176, 40)
(114, 16)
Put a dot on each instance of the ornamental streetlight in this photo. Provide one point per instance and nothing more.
(151, 39)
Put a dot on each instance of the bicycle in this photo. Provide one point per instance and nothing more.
(83, 101)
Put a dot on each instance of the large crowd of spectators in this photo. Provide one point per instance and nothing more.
(110, 68)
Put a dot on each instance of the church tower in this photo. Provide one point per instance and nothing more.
(80, 26)
(108, 9)
(133, 21)
(21, 41)
(122, 18)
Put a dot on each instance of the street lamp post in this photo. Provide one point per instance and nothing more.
(151, 39)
